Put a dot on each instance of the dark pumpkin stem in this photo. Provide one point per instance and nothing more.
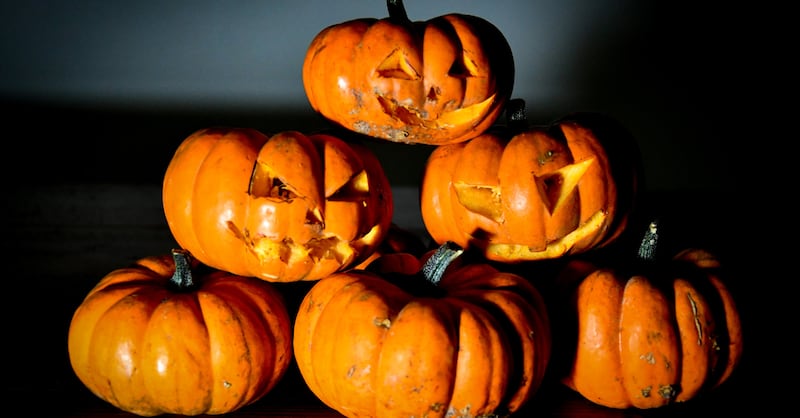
(647, 249)
(435, 266)
(182, 279)
(397, 11)
(516, 117)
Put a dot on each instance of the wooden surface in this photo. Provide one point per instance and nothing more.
(64, 238)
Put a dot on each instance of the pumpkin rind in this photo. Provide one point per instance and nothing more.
(432, 82)
(367, 348)
(282, 208)
(651, 338)
(149, 349)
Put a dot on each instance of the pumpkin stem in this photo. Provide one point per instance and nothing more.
(647, 249)
(516, 117)
(182, 278)
(435, 266)
(397, 11)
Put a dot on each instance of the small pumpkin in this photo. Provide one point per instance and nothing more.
(652, 332)
(523, 193)
(170, 336)
(475, 343)
(433, 82)
(283, 208)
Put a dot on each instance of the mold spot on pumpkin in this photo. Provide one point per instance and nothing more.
(383, 322)
(667, 391)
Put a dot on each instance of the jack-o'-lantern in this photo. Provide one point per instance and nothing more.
(283, 208)
(521, 193)
(433, 82)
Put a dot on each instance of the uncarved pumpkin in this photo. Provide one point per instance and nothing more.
(433, 82)
(521, 192)
(283, 208)
(371, 344)
(169, 336)
(648, 332)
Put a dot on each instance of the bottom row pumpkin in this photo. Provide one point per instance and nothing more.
(454, 340)
(407, 335)
(650, 331)
(165, 336)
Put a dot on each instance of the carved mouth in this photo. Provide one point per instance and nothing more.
(412, 116)
(553, 249)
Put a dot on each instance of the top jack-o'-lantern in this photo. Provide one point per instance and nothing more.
(434, 82)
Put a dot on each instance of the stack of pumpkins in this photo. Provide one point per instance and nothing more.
(390, 327)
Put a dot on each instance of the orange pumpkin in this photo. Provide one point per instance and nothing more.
(648, 334)
(434, 82)
(474, 344)
(521, 193)
(283, 208)
(165, 337)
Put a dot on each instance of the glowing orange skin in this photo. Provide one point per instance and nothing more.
(149, 350)
(332, 208)
(366, 348)
(435, 82)
(645, 345)
(541, 193)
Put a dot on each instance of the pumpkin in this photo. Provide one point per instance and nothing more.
(170, 336)
(523, 193)
(470, 341)
(433, 82)
(652, 332)
(283, 208)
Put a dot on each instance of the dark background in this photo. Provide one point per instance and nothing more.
(95, 96)
(675, 73)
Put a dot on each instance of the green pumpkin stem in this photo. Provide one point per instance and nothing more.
(435, 266)
(182, 279)
(647, 248)
(397, 11)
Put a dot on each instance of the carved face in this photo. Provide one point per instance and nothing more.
(283, 208)
(538, 194)
(435, 82)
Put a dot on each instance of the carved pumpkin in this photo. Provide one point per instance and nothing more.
(649, 334)
(475, 343)
(520, 193)
(165, 337)
(433, 82)
(286, 207)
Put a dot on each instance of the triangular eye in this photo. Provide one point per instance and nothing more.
(556, 187)
(396, 65)
(354, 190)
(464, 67)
